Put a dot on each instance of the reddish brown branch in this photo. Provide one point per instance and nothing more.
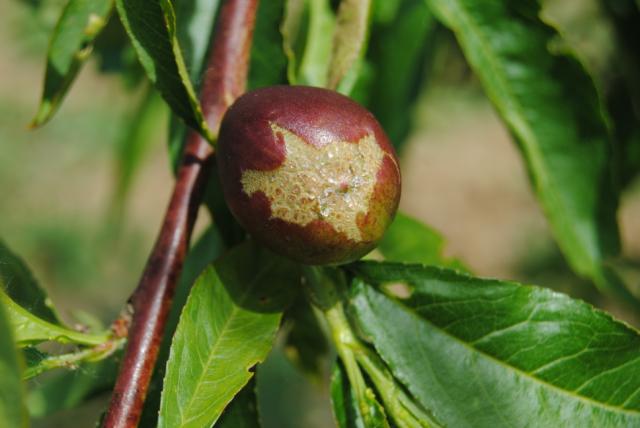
(224, 81)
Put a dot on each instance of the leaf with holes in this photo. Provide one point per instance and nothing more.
(489, 353)
(227, 327)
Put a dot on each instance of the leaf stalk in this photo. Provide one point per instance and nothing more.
(326, 290)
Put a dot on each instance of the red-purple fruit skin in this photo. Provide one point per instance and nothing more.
(247, 142)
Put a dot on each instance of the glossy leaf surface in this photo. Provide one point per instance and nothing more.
(550, 105)
(490, 353)
(227, 327)
(151, 25)
(194, 25)
(29, 329)
(207, 248)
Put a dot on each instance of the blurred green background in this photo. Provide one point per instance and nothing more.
(60, 212)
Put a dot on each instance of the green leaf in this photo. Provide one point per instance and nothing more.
(307, 41)
(39, 362)
(71, 44)
(207, 248)
(151, 25)
(13, 413)
(227, 327)
(30, 329)
(407, 240)
(195, 21)
(18, 282)
(268, 62)
(550, 105)
(70, 388)
(349, 42)
(242, 412)
(345, 411)
(400, 51)
(194, 26)
(294, 30)
(345, 406)
(493, 353)
(385, 10)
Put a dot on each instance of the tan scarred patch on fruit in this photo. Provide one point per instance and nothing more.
(333, 183)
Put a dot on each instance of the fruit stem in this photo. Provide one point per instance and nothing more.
(223, 81)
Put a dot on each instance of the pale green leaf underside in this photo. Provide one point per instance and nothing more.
(551, 106)
(486, 353)
(349, 41)
(29, 329)
(221, 335)
(308, 42)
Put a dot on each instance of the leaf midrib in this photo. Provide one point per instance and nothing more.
(591, 401)
(215, 346)
(518, 120)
